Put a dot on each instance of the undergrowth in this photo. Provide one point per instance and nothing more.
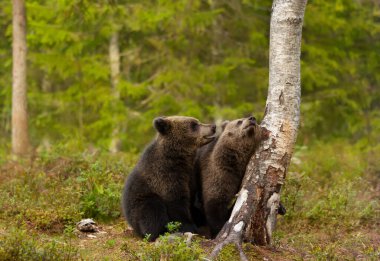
(57, 191)
(330, 185)
(19, 245)
(331, 196)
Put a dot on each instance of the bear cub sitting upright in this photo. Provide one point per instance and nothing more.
(159, 189)
(221, 167)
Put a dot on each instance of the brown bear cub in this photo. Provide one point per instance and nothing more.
(158, 190)
(221, 167)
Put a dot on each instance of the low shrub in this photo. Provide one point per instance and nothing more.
(18, 245)
(52, 193)
(329, 184)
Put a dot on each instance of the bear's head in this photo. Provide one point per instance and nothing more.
(184, 131)
(243, 134)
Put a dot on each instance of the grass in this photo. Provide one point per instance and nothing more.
(331, 195)
(17, 244)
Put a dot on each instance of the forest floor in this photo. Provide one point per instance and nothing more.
(331, 195)
(116, 242)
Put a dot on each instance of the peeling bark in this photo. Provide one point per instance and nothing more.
(260, 193)
(20, 134)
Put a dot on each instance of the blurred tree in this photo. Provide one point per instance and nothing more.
(5, 70)
(343, 36)
(114, 54)
(20, 135)
(207, 59)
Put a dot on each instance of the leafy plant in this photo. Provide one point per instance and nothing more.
(100, 193)
(173, 226)
(170, 247)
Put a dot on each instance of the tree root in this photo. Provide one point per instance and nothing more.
(223, 239)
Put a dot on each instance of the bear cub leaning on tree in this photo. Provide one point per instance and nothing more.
(159, 189)
(221, 167)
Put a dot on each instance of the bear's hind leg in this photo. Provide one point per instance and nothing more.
(179, 211)
(153, 218)
(217, 215)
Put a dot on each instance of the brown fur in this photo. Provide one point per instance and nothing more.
(222, 165)
(159, 189)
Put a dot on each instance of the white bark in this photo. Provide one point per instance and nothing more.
(272, 206)
(114, 56)
(267, 168)
(239, 203)
(20, 136)
(281, 118)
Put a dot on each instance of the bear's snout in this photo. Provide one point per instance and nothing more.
(252, 120)
(213, 128)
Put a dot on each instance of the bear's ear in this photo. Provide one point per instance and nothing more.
(161, 125)
(224, 124)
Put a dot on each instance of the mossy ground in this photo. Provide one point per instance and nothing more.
(331, 195)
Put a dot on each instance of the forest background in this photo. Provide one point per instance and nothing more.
(206, 59)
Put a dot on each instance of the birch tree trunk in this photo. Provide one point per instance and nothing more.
(253, 218)
(20, 136)
(114, 56)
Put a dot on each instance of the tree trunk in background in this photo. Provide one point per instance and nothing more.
(20, 135)
(253, 218)
(114, 56)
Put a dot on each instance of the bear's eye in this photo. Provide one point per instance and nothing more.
(194, 125)
(239, 123)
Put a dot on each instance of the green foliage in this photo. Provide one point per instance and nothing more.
(56, 192)
(207, 59)
(173, 226)
(19, 245)
(329, 185)
(330, 196)
(100, 195)
(170, 247)
(338, 63)
(38, 199)
(229, 252)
